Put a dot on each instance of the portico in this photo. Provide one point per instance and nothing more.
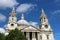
(31, 33)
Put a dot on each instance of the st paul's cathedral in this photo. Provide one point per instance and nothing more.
(43, 32)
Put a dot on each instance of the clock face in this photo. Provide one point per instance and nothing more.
(46, 26)
(12, 24)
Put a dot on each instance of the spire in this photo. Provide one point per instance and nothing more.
(43, 18)
(22, 17)
(43, 14)
(42, 11)
(13, 13)
(13, 9)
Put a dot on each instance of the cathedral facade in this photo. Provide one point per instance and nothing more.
(44, 32)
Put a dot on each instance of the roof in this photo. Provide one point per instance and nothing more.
(23, 22)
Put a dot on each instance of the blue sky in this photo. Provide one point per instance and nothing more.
(32, 10)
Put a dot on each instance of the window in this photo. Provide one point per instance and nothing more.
(41, 19)
(47, 36)
(44, 19)
(12, 18)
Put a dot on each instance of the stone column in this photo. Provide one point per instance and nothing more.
(27, 36)
(33, 36)
(38, 36)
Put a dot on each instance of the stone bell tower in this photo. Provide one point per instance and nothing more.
(46, 30)
(12, 24)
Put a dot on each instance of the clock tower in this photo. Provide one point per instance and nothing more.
(12, 24)
(46, 30)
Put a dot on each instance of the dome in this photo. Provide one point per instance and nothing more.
(23, 22)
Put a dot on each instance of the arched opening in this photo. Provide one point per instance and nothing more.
(47, 36)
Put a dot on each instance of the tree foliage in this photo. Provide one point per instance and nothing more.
(2, 36)
(15, 35)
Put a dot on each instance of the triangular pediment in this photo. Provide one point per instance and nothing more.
(30, 29)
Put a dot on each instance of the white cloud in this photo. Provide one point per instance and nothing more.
(2, 30)
(56, 12)
(34, 23)
(5, 25)
(8, 3)
(2, 17)
(25, 7)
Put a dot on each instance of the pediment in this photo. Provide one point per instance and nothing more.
(30, 29)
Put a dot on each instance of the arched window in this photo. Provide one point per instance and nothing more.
(41, 20)
(47, 36)
(12, 18)
(44, 19)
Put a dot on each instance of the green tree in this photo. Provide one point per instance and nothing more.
(2, 36)
(15, 35)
